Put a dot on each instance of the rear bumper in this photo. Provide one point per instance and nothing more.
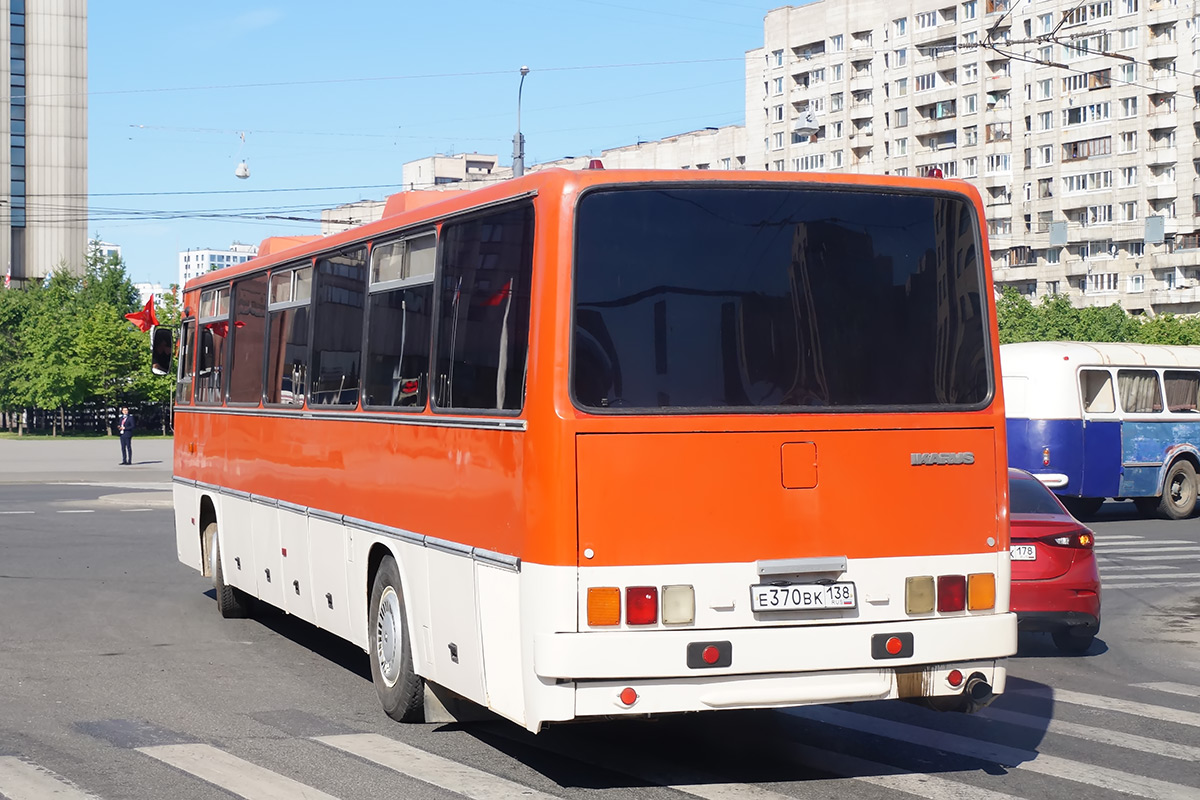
(1070, 599)
(842, 648)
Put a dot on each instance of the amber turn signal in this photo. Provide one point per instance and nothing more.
(603, 606)
(981, 591)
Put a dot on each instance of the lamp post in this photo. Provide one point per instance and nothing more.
(518, 139)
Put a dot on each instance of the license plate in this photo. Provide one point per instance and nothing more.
(1022, 552)
(802, 596)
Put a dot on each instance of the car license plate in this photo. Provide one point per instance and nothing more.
(802, 596)
(1022, 552)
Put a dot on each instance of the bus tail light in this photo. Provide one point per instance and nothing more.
(641, 605)
(981, 591)
(603, 606)
(918, 595)
(678, 605)
(951, 593)
(1045, 456)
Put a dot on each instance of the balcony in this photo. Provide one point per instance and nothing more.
(1162, 155)
(1168, 297)
(997, 83)
(999, 209)
(1166, 84)
(861, 138)
(1160, 49)
(1167, 118)
(1076, 267)
(860, 82)
(862, 111)
(1162, 191)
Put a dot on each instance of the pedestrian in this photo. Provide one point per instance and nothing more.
(125, 429)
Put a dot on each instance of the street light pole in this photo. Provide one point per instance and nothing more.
(519, 139)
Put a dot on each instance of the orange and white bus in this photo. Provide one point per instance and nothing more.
(603, 443)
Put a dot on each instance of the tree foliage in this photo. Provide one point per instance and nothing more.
(1055, 319)
(65, 342)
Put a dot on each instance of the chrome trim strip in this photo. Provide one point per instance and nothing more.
(801, 566)
(264, 501)
(385, 530)
(298, 509)
(500, 560)
(399, 418)
(328, 516)
(445, 546)
(1142, 464)
(184, 481)
(208, 487)
(238, 493)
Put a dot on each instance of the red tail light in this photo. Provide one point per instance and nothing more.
(1045, 456)
(952, 593)
(1080, 538)
(641, 605)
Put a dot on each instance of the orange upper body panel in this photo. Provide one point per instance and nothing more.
(634, 489)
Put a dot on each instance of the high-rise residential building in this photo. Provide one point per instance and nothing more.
(43, 136)
(201, 260)
(1065, 114)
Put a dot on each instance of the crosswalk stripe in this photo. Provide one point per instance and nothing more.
(1029, 760)
(1122, 537)
(1128, 741)
(429, 768)
(1191, 548)
(1151, 543)
(1165, 713)
(20, 780)
(1142, 576)
(1154, 585)
(232, 774)
(16, 512)
(1173, 688)
(892, 778)
(77, 511)
(1118, 568)
(1177, 557)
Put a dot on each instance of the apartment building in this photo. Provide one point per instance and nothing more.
(1076, 120)
(193, 263)
(43, 137)
(708, 148)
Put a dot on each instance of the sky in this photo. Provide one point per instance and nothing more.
(325, 101)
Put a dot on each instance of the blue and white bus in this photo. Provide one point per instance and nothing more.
(1094, 421)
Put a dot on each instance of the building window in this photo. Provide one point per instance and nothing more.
(777, 57)
(836, 101)
(1137, 283)
(901, 147)
(900, 26)
(777, 141)
(1128, 107)
(926, 20)
(970, 104)
(971, 135)
(837, 43)
(1044, 90)
(970, 9)
(777, 85)
(901, 57)
(901, 117)
(971, 167)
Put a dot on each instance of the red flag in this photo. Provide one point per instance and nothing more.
(146, 318)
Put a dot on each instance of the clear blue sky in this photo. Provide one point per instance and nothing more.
(333, 96)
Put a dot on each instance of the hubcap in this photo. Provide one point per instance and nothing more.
(387, 636)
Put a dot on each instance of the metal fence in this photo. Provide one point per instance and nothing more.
(149, 418)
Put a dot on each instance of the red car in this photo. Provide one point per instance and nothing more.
(1055, 580)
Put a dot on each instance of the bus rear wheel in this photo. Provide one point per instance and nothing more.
(233, 603)
(400, 689)
(1179, 491)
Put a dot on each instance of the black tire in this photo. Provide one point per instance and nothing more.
(233, 603)
(1073, 641)
(1179, 492)
(401, 690)
(1082, 506)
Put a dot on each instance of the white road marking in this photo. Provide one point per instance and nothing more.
(1141, 576)
(1028, 760)
(1154, 585)
(1165, 713)
(1121, 537)
(232, 774)
(16, 512)
(1129, 741)
(1118, 568)
(1173, 688)
(430, 768)
(1108, 544)
(1136, 550)
(20, 780)
(78, 511)
(135, 510)
(1178, 557)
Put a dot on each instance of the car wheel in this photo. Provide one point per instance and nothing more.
(1179, 492)
(401, 690)
(1082, 506)
(233, 603)
(1073, 641)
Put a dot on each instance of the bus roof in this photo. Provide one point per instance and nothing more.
(1038, 358)
(400, 215)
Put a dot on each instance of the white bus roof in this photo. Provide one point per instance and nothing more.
(1040, 377)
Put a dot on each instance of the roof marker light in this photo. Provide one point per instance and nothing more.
(595, 163)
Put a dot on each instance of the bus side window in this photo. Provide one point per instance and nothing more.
(1183, 391)
(1141, 392)
(187, 365)
(1096, 386)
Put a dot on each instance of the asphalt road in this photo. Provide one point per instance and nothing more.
(118, 679)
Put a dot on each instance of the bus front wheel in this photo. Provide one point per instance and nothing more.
(1179, 491)
(400, 689)
(231, 602)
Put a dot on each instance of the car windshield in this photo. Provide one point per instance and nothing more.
(1031, 497)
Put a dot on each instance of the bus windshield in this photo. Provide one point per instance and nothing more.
(752, 298)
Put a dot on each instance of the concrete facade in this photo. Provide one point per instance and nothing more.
(434, 171)
(1076, 121)
(350, 215)
(710, 148)
(43, 136)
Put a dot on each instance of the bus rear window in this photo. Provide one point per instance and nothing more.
(755, 298)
